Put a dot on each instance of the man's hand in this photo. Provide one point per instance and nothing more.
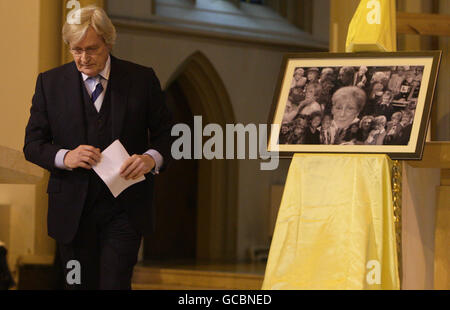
(136, 166)
(84, 156)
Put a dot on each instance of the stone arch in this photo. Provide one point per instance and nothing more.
(217, 179)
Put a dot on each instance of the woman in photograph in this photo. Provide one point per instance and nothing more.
(297, 135)
(365, 127)
(347, 103)
(327, 74)
(393, 128)
(310, 104)
(380, 77)
(375, 94)
(406, 126)
(284, 133)
(351, 134)
(345, 77)
(376, 136)
(327, 82)
(414, 94)
(360, 79)
(312, 133)
(299, 80)
(396, 80)
(312, 75)
(384, 105)
(297, 94)
(327, 132)
(290, 111)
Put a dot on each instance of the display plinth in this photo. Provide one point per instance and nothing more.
(335, 227)
(14, 169)
(426, 218)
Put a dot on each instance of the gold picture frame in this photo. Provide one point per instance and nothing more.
(354, 103)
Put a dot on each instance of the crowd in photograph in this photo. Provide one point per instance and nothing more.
(351, 105)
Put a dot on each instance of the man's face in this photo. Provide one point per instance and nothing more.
(93, 45)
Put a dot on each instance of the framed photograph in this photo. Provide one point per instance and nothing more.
(354, 103)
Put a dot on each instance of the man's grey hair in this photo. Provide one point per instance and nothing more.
(89, 16)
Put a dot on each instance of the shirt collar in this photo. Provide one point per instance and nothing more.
(104, 73)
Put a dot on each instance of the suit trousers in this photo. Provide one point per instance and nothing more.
(105, 246)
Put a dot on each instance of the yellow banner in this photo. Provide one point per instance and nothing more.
(373, 27)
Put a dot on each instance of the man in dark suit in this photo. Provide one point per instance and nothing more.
(77, 111)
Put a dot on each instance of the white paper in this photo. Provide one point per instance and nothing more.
(108, 169)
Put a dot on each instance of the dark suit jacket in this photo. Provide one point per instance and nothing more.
(140, 120)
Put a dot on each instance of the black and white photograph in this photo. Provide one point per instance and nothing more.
(374, 103)
(351, 105)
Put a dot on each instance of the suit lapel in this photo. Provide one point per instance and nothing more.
(120, 86)
(74, 105)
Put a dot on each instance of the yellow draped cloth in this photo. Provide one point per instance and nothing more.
(335, 226)
(373, 27)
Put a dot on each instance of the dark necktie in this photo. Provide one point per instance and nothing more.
(98, 90)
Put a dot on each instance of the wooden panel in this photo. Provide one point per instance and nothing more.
(341, 13)
(46, 260)
(436, 155)
(304, 15)
(419, 201)
(445, 177)
(423, 24)
(442, 237)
